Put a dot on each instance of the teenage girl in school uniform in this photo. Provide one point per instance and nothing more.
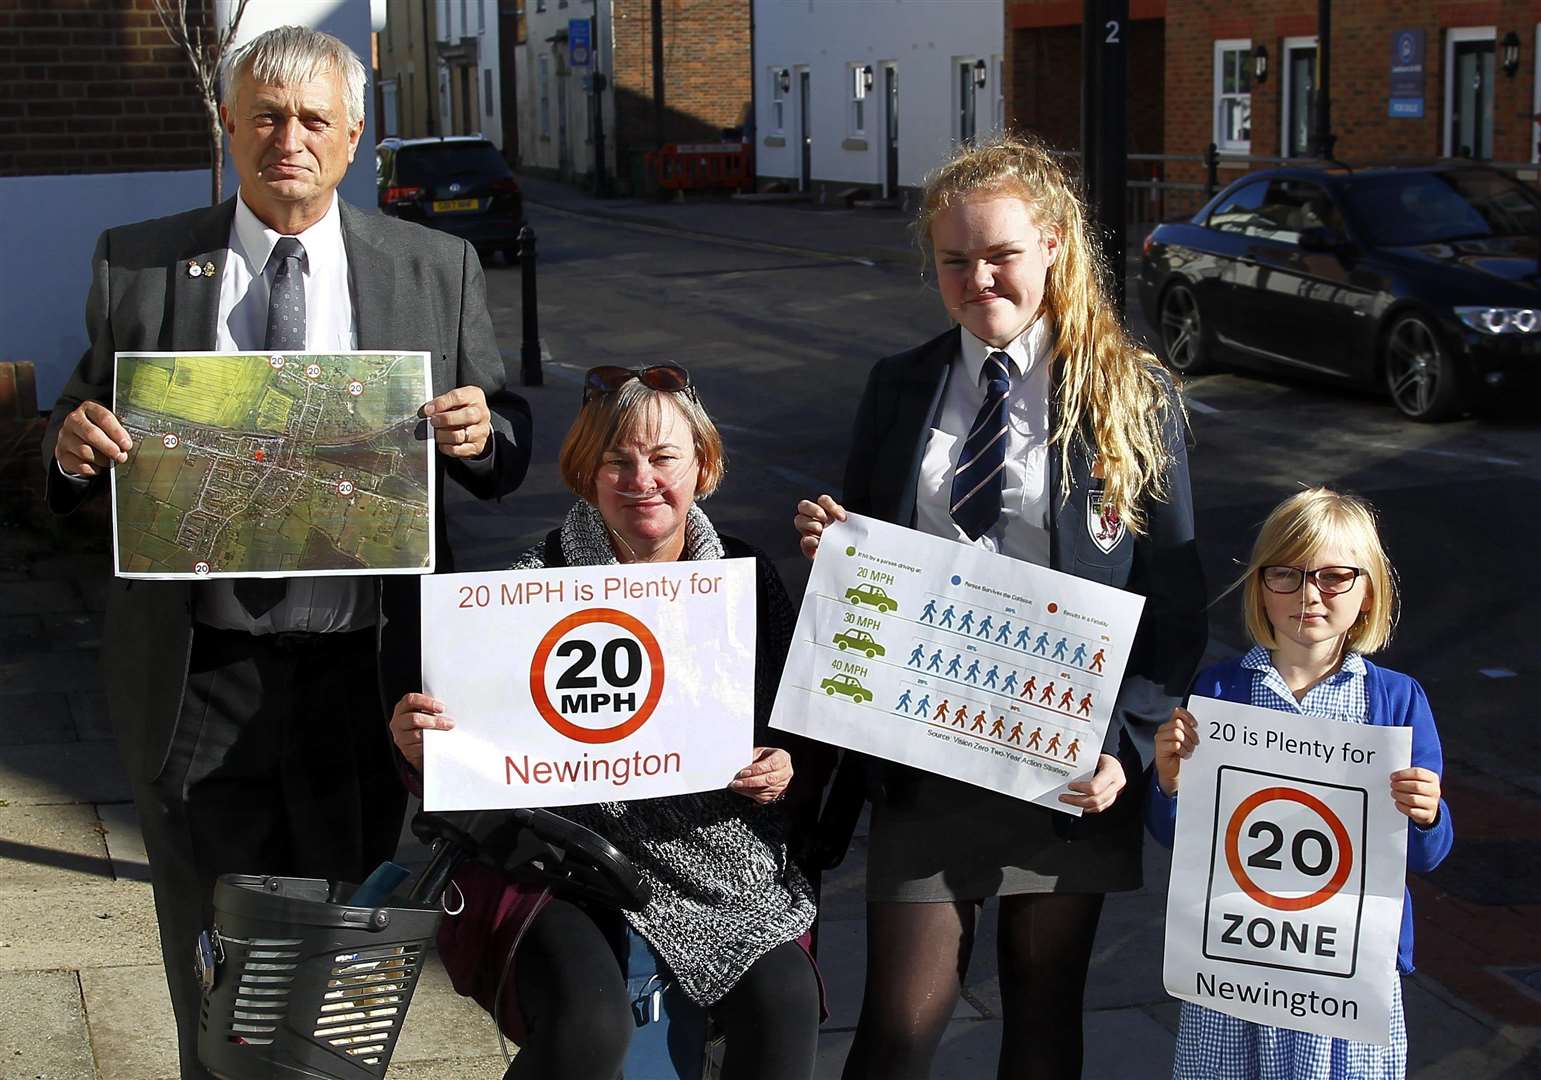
(1035, 428)
(1319, 596)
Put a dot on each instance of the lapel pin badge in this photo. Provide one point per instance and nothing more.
(208, 268)
(193, 269)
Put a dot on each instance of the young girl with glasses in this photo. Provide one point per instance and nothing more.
(1319, 595)
(1034, 428)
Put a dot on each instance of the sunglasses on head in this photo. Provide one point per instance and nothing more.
(608, 378)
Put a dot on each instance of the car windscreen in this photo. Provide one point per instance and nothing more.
(425, 166)
(1435, 207)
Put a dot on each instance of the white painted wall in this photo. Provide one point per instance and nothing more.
(924, 39)
(545, 151)
(51, 226)
(52, 222)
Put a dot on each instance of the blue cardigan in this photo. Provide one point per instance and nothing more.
(1395, 700)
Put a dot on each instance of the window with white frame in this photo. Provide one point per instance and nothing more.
(543, 85)
(857, 79)
(1233, 96)
(780, 80)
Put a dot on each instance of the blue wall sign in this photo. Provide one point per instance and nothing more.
(1407, 47)
(579, 51)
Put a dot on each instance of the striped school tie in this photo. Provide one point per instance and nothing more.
(976, 485)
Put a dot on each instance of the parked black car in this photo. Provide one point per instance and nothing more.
(1421, 279)
(458, 183)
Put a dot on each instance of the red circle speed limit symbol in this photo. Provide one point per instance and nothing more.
(1310, 850)
(599, 677)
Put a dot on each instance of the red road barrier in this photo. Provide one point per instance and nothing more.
(701, 166)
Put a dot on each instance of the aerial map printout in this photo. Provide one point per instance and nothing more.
(258, 465)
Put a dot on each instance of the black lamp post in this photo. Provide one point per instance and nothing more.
(1260, 64)
(1511, 62)
(981, 74)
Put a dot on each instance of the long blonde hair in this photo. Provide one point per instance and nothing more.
(1112, 394)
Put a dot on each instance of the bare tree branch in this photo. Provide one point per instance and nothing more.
(205, 54)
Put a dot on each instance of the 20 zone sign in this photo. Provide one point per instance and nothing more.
(597, 675)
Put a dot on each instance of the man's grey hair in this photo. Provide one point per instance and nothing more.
(290, 55)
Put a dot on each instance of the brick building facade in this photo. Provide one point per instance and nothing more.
(95, 86)
(1465, 102)
(706, 67)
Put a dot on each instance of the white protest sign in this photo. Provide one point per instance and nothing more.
(588, 684)
(1287, 871)
(955, 660)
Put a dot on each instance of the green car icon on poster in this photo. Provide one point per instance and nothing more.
(861, 641)
(871, 594)
(844, 684)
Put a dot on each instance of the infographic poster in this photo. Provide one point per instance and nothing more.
(956, 660)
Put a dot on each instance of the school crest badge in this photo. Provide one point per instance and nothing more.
(1103, 524)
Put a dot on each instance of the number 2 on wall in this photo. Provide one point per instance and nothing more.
(1113, 28)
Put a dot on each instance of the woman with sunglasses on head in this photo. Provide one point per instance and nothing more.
(730, 911)
(1034, 428)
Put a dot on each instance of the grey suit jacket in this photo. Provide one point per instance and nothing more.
(413, 289)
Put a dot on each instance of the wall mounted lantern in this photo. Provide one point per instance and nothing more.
(1511, 53)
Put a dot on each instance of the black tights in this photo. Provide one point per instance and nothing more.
(575, 1007)
(917, 957)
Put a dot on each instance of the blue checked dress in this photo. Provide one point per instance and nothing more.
(1213, 1046)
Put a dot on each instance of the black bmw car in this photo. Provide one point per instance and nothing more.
(457, 183)
(1423, 280)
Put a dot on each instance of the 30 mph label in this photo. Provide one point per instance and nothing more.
(1286, 879)
(597, 675)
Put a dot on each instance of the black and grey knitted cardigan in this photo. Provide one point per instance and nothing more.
(725, 891)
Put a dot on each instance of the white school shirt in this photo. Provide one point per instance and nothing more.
(1022, 530)
(316, 604)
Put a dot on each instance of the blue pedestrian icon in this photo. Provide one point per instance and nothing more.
(947, 616)
(954, 665)
(992, 674)
(1003, 635)
(936, 661)
(973, 673)
(1079, 656)
(1023, 639)
(1059, 650)
(1041, 646)
(928, 614)
(966, 624)
(904, 701)
(1009, 684)
(923, 706)
(917, 655)
(985, 625)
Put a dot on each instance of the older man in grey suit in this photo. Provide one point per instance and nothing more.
(250, 714)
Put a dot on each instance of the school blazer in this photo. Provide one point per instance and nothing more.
(412, 289)
(902, 397)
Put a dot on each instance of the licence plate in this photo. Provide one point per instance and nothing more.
(441, 206)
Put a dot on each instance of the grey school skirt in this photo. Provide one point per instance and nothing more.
(935, 839)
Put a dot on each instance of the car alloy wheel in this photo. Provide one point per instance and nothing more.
(1419, 371)
(1182, 330)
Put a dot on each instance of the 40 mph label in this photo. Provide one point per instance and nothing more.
(597, 675)
(1286, 885)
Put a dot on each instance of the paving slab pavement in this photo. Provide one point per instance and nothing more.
(43, 1027)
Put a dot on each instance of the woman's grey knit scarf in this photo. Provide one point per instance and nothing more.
(725, 892)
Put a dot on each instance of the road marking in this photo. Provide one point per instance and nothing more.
(1455, 454)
